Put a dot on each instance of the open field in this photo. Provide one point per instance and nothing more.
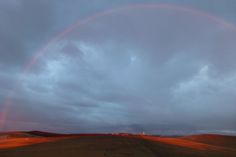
(39, 144)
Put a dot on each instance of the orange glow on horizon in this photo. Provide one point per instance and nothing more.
(185, 143)
(6, 143)
(18, 142)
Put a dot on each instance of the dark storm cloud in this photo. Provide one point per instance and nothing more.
(23, 24)
(153, 70)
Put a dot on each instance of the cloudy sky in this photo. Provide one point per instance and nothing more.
(81, 66)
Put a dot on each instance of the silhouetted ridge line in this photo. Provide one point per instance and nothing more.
(45, 134)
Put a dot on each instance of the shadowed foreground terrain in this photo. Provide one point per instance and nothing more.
(40, 144)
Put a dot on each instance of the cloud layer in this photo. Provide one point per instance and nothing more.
(157, 70)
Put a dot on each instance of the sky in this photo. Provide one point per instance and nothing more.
(85, 66)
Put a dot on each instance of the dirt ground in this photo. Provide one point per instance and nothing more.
(112, 146)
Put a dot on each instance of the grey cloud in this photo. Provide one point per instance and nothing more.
(152, 70)
(23, 24)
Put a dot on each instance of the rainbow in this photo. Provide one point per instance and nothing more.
(41, 52)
